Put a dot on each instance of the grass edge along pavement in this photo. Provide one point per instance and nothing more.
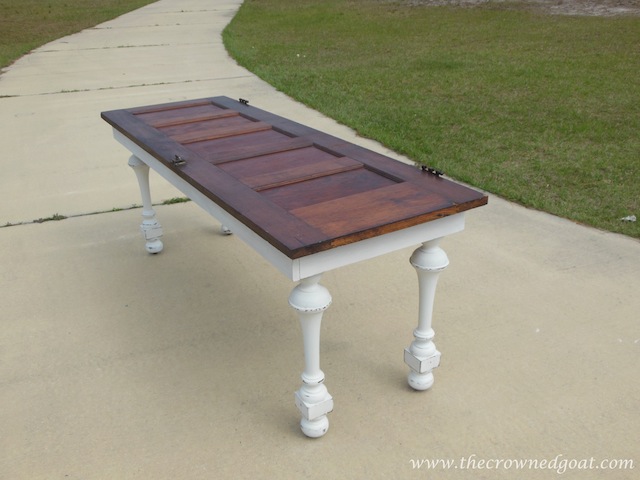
(540, 109)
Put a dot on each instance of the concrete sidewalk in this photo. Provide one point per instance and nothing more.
(115, 364)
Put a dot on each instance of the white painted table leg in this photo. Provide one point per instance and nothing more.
(313, 400)
(422, 357)
(151, 229)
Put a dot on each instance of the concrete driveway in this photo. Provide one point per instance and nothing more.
(115, 364)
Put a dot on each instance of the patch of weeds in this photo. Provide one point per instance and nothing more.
(171, 201)
(122, 209)
(54, 218)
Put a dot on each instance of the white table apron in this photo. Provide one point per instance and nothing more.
(309, 298)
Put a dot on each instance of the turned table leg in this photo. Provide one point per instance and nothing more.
(311, 299)
(151, 229)
(421, 356)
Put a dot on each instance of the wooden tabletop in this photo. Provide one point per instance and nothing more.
(301, 190)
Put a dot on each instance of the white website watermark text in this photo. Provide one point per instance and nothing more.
(559, 464)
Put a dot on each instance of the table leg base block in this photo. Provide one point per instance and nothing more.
(312, 411)
(421, 376)
(421, 365)
(314, 421)
(152, 234)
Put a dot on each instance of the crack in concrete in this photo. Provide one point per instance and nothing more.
(80, 90)
(56, 217)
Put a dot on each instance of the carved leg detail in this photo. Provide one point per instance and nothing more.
(422, 357)
(313, 400)
(151, 229)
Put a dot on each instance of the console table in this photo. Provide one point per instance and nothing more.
(307, 202)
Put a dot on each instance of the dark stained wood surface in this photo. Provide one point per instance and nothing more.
(300, 189)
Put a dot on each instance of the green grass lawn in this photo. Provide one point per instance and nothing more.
(542, 110)
(27, 24)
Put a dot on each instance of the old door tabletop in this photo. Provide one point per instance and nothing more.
(301, 190)
(307, 201)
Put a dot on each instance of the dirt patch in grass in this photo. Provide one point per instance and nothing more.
(601, 8)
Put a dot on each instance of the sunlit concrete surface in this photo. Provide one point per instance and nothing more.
(117, 364)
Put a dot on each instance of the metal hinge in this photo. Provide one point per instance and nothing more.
(178, 161)
(430, 170)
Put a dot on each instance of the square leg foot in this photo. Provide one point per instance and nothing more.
(312, 411)
(421, 365)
